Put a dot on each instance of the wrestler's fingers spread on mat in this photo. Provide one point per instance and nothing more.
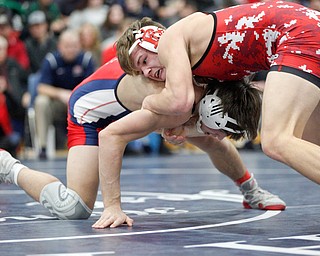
(112, 219)
(103, 222)
(119, 222)
(112, 222)
(106, 219)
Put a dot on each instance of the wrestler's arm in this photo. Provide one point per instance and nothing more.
(112, 142)
(179, 135)
(178, 95)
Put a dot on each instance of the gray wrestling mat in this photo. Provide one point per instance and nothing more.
(181, 206)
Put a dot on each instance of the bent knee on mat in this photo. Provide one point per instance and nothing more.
(64, 203)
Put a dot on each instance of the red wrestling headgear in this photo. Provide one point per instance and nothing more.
(147, 37)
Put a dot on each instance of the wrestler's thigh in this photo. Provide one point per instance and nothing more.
(288, 102)
(311, 132)
(83, 172)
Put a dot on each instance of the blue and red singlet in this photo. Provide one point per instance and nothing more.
(94, 104)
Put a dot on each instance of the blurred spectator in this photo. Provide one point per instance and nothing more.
(111, 25)
(137, 9)
(209, 5)
(109, 48)
(90, 41)
(315, 4)
(93, 11)
(9, 140)
(228, 3)
(16, 47)
(40, 41)
(189, 7)
(152, 4)
(38, 44)
(61, 71)
(13, 80)
(52, 12)
(16, 12)
(68, 6)
(13, 5)
(173, 10)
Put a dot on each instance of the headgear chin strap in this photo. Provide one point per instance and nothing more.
(147, 37)
(211, 115)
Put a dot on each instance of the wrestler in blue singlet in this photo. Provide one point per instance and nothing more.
(94, 104)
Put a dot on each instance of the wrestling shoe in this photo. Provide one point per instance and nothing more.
(257, 198)
(6, 163)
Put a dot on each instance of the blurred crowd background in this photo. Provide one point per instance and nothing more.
(47, 47)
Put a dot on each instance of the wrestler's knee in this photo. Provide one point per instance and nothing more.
(64, 203)
(274, 145)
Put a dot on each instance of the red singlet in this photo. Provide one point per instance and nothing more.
(253, 37)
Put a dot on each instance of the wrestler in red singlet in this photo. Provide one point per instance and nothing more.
(246, 40)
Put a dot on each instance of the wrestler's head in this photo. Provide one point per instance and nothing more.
(212, 118)
(137, 49)
(230, 109)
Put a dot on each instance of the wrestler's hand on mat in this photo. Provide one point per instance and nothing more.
(112, 217)
(174, 136)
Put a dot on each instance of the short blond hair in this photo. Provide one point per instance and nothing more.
(126, 41)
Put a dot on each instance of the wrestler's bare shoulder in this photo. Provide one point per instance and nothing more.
(195, 28)
(133, 89)
(194, 32)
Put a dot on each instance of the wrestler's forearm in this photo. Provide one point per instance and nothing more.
(166, 103)
(110, 162)
(112, 142)
(192, 131)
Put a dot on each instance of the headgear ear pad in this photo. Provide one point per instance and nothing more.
(211, 115)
